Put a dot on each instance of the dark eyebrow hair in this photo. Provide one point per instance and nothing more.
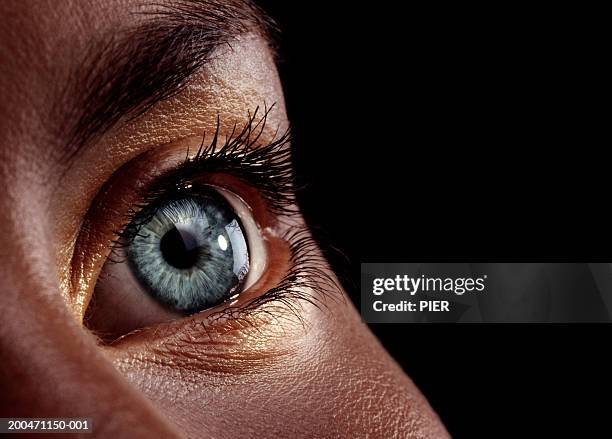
(142, 65)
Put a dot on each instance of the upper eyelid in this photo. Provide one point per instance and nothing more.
(265, 165)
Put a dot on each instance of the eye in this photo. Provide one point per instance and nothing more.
(193, 251)
(209, 226)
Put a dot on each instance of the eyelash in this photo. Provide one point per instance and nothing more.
(268, 169)
(305, 273)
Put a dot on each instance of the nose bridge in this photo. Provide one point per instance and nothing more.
(49, 365)
(27, 264)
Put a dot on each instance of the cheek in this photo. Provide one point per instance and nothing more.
(326, 373)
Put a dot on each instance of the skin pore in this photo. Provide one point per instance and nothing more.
(290, 368)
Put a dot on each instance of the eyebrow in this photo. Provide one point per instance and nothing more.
(134, 69)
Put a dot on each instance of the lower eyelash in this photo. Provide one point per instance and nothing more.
(308, 280)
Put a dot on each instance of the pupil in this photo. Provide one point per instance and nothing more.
(180, 248)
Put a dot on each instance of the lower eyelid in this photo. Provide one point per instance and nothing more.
(219, 319)
(236, 348)
(230, 339)
(213, 342)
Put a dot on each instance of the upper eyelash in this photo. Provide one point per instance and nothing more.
(267, 167)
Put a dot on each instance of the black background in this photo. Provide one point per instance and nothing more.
(457, 134)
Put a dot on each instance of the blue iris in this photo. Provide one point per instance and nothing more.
(191, 254)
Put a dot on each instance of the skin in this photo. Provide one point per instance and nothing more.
(317, 372)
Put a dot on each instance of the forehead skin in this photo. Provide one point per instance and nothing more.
(326, 376)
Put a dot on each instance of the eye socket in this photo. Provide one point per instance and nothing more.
(250, 171)
(189, 253)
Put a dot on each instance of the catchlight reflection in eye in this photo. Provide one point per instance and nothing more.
(222, 242)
